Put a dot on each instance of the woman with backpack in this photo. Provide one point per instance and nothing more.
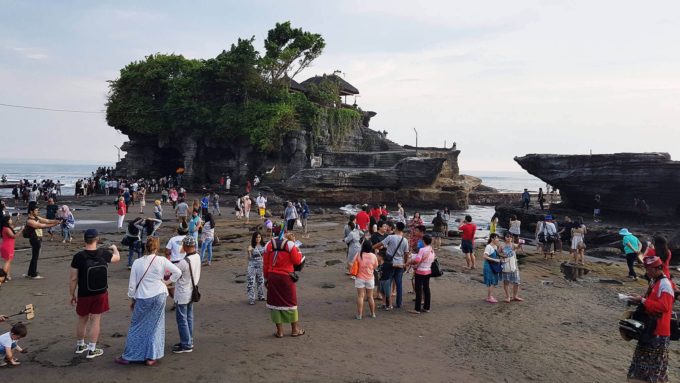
(68, 223)
(422, 263)
(365, 282)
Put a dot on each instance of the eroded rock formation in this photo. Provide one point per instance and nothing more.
(618, 179)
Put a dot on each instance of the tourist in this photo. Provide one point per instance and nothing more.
(51, 213)
(33, 231)
(365, 281)
(121, 211)
(493, 224)
(541, 198)
(133, 238)
(157, 209)
(196, 205)
(597, 201)
(631, 247)
(376, 212)
(510, 274)
(8, 343)
(660, 249)
(248, 186)
(182, 210)
(261, 203)
(281, 257)
(526, 199)
(290, 215)
(215, 203)
(352, 240)
(7, 246)
(33, 194)
(183, 296)
(207, 238)
(174, 248)
(415, 237)
(347, 229)
(255, 276)
(165, 195)
(227, 184)
(141, 196)
(415, 221)
(515, 228)
(438, 230)
(194, 224)
(304, 218)
(363, 219)
(146, 337)
(396, 255)
(205, 204)
(546, 233)
(173, 197)
(467, 242)
(650, 359)
(422, 264)
(151, 226)
(89, 275)
(247, 204)
(491, 275)
(578, 243)
(256, 181)
(67, 224)
(401, 214)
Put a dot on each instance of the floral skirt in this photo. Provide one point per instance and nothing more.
(650, 361)
(146, 336)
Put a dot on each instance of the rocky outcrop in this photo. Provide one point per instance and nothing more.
(618, 179)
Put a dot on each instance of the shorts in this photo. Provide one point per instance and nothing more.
(466, 246)
(95, 304)
(261, 211)
(364, 284)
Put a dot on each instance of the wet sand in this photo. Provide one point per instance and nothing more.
(563, 332)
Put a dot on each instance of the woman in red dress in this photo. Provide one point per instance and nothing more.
(7, 245)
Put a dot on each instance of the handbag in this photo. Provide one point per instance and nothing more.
(298, 223)
(436, 269)
(496, 267)
(195, 294)
(510, 265)
(354, 270)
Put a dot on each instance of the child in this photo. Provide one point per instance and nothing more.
(8, 342)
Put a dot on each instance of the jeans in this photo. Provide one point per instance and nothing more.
(136, 247)
(66, 233)
(36, 243)
(630, 260)
(422, 288)
(255, 277)
(185, 324)
(216, 208)
(398, 275)
(207, 245)
(158, 215)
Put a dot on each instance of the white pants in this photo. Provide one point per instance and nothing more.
(120, 221)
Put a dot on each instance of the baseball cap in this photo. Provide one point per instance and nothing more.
(652, 261)
(91, 233)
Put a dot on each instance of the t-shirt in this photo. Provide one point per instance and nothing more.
(94, 263)
(362, 220)
(630, 244)
(204, 202)
(175, 247)
(396, 246)
(182, 209)
(367, 263)
(377, 238)
(6, 341)
(51, 211)
(468, 230)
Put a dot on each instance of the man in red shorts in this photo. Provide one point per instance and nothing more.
(89, 272)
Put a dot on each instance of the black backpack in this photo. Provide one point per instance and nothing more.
(96, 272)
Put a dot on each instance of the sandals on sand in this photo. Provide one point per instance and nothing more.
(491, 300)
(277, 335)
(518, 299)
(300, 332)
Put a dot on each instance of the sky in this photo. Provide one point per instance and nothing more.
(499, 78)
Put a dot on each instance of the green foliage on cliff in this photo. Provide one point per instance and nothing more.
(236, 95)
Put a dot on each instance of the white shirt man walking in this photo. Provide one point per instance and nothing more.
(190, 266)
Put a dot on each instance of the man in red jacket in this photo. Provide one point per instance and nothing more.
(650, 360)
(363, 218)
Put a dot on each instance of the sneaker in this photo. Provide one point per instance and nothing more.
(251, 302)
(358, 317)
(91, 354)
(179, 349)
(3, 362)
(81, 348)
(372, 315)
(38, 277)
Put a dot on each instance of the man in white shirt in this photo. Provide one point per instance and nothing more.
(227, 183)
(174, 249)
(184, 312)
(261, 204)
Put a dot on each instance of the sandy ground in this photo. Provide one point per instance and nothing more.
(563, 332)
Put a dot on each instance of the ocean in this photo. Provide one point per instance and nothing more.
(65, 174)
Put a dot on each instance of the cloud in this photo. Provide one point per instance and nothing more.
(29, 52)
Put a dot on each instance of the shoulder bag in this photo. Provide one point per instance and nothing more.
(132, 305)
(496, 267)
(389, 258)
(195, 294)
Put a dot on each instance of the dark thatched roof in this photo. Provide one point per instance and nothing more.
(346, 88)
(296, 86)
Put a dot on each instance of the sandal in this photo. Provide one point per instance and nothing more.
(300, 332)
(277, 335)
(518, 299)
(150, 362)
(491, 300)
(122, 361)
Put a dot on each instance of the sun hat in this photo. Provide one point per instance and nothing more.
(652, 262)
(189, 241)
(624, 231)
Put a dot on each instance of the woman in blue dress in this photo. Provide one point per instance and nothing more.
(491, 273)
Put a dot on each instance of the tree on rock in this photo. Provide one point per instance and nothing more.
(286, 45)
